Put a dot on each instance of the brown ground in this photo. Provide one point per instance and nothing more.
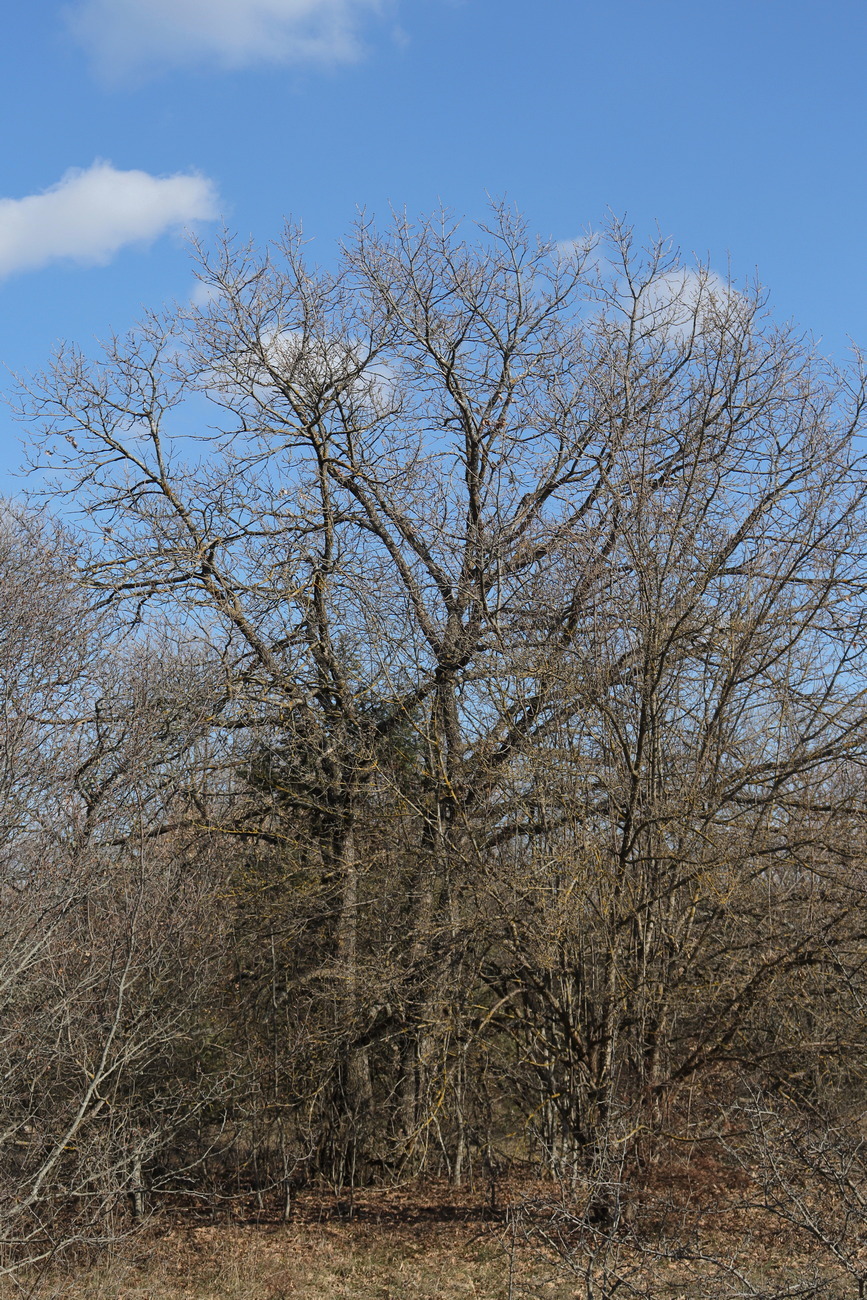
(413, 1243)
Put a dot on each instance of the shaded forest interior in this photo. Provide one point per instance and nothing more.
(434, 749)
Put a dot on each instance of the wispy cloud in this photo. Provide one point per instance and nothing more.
(89, 215)
(124, 36)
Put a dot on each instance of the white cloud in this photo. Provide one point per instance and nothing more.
(312, 365)
(684, 299)
(89, 215)
(581, 248)
(131, 35)
(201, 294)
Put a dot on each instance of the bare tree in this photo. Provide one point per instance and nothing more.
(108, 933)
(535, 586)
(696, 816)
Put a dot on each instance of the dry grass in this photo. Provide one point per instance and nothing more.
(352, 1262)
(427, 1243)
(307, 1262)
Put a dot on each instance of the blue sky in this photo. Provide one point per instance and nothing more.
(737, 126)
